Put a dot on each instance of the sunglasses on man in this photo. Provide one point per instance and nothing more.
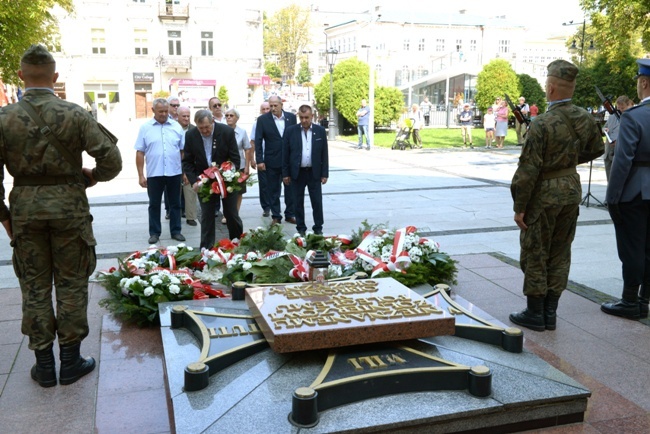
(216, 105)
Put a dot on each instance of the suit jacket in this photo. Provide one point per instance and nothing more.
(271, 154)
(627, 181)
(292, 152)
(224, 148)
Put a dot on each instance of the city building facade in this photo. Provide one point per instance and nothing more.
(116, 55)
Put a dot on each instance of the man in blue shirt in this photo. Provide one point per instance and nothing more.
(160, 143)
(363, 115)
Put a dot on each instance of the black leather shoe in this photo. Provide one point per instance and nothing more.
(178, 237)
(622, 308)
(44, 371)
(533, 316)
(73, 366)
(266, 213)
(276, 222)
(153, 239)
(191, 222)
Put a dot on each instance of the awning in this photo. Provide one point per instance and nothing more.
(191, 82)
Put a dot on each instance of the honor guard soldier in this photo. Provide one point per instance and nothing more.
(546, 191)
(628, 201)
(49, 224)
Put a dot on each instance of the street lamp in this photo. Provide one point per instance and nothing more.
(573, 47)
(331, 58)
(160, 60)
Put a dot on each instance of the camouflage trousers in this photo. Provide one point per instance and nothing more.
(546, 250)
(59, 252)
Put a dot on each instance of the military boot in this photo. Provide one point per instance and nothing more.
(73, 366)
(44, 371)
(627, 306)
(644, 298)
(550, 308)
(533, 316)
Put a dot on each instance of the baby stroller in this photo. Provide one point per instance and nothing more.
(402, 139)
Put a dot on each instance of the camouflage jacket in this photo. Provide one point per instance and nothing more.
(550, 147)
(26, 152)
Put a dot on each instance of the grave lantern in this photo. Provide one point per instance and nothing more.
(318, 265)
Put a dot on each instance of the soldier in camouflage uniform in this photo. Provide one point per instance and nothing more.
(546, 191)
(49, 223)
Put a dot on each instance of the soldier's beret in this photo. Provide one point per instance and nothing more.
(644, 67)
(37, 55)
(562, 69)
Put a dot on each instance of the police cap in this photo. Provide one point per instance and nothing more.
(37, 55)
(644, 68)
(562, 69)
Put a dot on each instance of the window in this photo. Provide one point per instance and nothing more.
(406, 76)
(98, 41)
(440, 45)
(407, 45)
(504, 46)
(207, 44)
(472, 45)
(459, 45)
(421, 44)
(140, 42)
(174, 40)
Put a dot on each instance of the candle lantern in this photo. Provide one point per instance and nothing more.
(318, 265)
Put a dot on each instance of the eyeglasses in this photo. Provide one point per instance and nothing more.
(230, 116)
(216, 105)
(175, 105)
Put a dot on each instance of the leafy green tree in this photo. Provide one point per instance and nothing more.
(287, 33)
(496, 79)
(621, 27)
(350, 87)
(532, 91)
(272, 70)
(23, 23)
(613, 79)
(389, 102)
(223, 95)
(304, 74)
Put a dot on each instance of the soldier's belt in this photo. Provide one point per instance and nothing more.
(23, 181)
(641, 163)
(559, 173)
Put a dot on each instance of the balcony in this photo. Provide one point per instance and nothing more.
(173, 12)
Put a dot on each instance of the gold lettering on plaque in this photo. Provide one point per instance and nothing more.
(378, 361)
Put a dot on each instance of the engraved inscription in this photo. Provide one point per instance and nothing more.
(375, 362)
(315, 289)
(343, 309)
(237, 330)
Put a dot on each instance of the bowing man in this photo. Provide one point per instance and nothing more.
(305, 163)
(212, 142)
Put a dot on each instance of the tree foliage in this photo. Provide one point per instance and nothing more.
(350, 87)
(532, 91)
(286, 34)
(272, 70)
(613, 79)
(23, 23)
(304, 74)
(223, 95)
(496, 79)
(621, 27)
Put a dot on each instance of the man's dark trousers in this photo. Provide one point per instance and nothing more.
(233, 222)
(314, 187)
(274, 189)
(156, 185)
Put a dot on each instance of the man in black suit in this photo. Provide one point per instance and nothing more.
(306, 164)
(212, 142)
(270, 128)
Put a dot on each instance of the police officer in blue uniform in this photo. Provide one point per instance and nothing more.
(628, 199)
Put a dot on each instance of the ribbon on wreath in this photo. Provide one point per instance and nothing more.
(300, 268)
(218, 185)
(399, 259)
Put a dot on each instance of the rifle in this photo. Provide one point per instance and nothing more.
(518, 114)
(607, 103)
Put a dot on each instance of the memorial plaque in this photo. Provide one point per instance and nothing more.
(313, 316)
